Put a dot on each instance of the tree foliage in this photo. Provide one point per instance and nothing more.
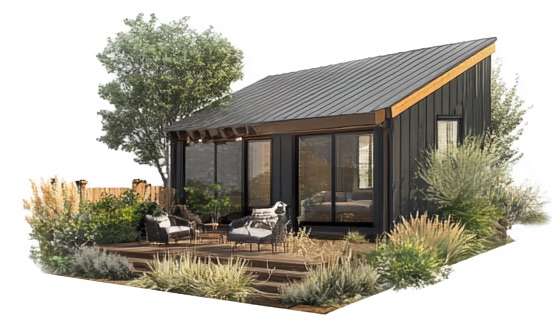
(507, 113)
(162, 73)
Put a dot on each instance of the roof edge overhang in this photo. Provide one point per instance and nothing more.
(297, 126)
(442, 80)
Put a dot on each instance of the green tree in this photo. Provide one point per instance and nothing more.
(162, 74)
(507, 113)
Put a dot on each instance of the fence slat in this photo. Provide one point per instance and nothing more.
(158, 194)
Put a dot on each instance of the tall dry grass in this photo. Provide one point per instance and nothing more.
(315, 250)
(50, 198)
(190, 274)
(449, 238)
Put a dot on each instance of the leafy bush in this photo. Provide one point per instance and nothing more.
(449, 238)
(188, 274)
(355, 237)
(207, 201)
(92, 263)
(409, 264)
(332, 283)
(57, 224)
(117, 219)
(466, 183)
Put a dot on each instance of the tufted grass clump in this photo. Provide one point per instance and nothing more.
(191, 275)
(92, 263)
(315, 250)
(447, 237)
(355, 237)
(332, 283)
(409, 263)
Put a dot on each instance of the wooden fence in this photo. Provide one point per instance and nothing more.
(159, 194)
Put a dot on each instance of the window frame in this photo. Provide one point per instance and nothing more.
(334, 163)
(448, 118)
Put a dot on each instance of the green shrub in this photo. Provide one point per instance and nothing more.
(355, 237)
(207, 201)
(409, 264)
(92, 263)
(448, 238)
(117, 219)
(188, 274)
(332, 283)
(465, 183)
(57, 223)
(524, 205)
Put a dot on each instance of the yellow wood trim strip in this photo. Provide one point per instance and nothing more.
(440, 81)
(379, 116)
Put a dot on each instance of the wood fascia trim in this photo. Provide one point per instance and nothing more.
(440, 81)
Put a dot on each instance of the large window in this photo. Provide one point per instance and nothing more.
(347, 159)
(259, 171)
(229, 172)
(209, 163)
(315, 178)
(199, 164)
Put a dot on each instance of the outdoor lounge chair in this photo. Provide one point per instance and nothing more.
(162, 229)
(263, 226)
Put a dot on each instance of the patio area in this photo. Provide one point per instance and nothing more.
(272, 269)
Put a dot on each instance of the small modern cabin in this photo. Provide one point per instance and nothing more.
(340, 143)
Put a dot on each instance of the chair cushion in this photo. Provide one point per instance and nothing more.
(163, 221)
(254, 232)
(175, 229)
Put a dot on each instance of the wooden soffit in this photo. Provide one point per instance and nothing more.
(441, 81)
(312, 125)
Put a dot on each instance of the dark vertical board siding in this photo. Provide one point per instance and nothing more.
(460, 95)
(380, 185)
(173, 157)
(423, 124)
(288, 175)
(452, 97)
(405, 160)
(430, 116)
(444, 107)
(487, 91)
(396, 168)
(469, 116)
(178, 170)
(414, 130)
(276, 170)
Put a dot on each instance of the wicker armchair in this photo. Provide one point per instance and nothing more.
(162, 229)
(263, 226)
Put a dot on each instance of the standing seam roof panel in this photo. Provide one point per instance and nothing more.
(359, 86)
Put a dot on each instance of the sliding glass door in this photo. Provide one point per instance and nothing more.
(259, 167)
(335, 177)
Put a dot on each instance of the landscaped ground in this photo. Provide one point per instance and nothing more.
(272, 269)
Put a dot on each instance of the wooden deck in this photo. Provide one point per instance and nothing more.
(272, 269)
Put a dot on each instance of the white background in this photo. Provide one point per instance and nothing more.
(49, 77)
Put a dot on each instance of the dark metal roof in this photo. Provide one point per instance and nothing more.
(354, 87)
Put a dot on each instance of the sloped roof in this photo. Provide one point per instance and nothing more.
(349, 88)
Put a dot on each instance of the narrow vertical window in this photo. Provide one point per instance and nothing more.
(259, 171)
(447, 133)
(315, 174)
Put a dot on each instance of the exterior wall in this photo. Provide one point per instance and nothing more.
(177, 169)
(414, 130)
